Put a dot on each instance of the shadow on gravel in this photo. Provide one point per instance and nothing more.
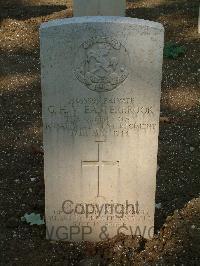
(26, 12)
(168, 8)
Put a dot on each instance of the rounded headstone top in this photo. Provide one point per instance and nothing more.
(102, 19)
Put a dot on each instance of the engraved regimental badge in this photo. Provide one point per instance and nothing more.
(102, 64)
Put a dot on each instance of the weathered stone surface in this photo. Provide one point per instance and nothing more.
(101, 81)
(99, 8)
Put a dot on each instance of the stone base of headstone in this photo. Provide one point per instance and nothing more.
(99, 8)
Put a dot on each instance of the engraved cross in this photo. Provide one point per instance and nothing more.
(100, 163)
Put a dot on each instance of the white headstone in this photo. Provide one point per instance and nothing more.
(99, 8)
(101, 80)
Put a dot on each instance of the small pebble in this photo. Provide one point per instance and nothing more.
(12, 222)
(192, 149)
(158, 205)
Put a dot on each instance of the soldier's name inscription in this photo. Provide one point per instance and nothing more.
(101, 116)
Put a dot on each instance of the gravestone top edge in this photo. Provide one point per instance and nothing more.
(101, 19)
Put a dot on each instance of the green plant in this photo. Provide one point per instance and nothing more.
(173, 50)
(32, 219)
